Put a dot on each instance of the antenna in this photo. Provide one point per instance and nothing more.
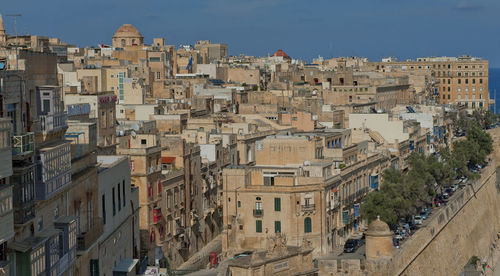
(15, 16)
(15, 21)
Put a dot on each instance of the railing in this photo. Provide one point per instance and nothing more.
(308, 208)
(258, 213)
(23, 144)
(53, 122)
(86, 239)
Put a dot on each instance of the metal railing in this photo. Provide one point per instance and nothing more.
(23, 144)
(258, 213)
(308, 207)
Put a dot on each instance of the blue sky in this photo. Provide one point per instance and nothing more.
(303, 29)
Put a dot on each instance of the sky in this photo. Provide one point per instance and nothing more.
(303, 29)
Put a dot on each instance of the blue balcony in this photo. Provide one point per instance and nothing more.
(53, 122)
(53, 170)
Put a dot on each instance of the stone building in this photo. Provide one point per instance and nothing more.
(127, 35)
(144, 151)
(119, 209)
(461, 80)
(320, 201)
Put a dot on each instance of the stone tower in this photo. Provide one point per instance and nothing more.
(378, 248)
(3, 35)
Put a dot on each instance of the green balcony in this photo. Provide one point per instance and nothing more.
(23, 144)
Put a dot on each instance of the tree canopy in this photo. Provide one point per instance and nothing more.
(403, 194)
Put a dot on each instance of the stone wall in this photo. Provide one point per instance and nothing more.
(466, 227)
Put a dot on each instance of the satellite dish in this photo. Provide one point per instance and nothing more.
(133, 134)
(135, 126)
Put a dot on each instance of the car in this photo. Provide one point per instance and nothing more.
(398, 237)
(424, 215)
(418, 220)
(445, 195)
(351, 245)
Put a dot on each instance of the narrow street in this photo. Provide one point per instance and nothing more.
(201, 258)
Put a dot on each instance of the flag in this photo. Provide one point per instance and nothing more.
(190, 63)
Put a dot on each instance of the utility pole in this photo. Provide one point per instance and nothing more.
(15, 16)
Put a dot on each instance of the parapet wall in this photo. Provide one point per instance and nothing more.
(466, 227)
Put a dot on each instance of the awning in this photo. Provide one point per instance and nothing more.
(167, 159)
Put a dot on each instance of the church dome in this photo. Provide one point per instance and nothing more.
(127, 30)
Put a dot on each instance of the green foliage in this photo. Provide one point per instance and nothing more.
(401, 195)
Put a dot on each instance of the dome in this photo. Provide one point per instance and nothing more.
(281, 53)
(378, 228)
(127, 30)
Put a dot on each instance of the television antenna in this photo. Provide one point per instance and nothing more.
(15, 16)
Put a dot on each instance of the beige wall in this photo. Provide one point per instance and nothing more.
(390, 130)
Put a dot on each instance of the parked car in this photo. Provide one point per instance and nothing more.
(424, 215)
(351, 245)
(418, 220)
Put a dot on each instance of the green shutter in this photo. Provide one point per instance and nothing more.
(277, 227)
(307, 225)
(94, 267)
(277, 204)
(258, 226)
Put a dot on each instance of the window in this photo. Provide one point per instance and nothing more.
(466, 81)
(459, 81)
(277, 226)
(158, 75)
(239, 203)
(258, 226)
(277, 204)
(119, 198)
(114, 203)
(46, 105)
(481, 81)
(258, 205)
(307, 225)
(143, 141)
(123, 188)
(104, 209)
(268, 180)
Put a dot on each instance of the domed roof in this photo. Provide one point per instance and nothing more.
(281, 53)
(378, 228)
(127, 30)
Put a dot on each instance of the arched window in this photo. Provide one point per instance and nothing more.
(307, 225)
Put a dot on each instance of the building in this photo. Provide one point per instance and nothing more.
(144, 151)
(119, 209)
(6, 197)
(127, 35)
(461, 80)
(293, 188)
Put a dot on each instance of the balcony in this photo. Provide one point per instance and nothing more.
(258, 213)
(157, 215)
(23, 144)
(53, 122)
(86, 239)
(308, 208)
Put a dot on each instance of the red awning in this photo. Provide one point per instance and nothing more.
(167, 160)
